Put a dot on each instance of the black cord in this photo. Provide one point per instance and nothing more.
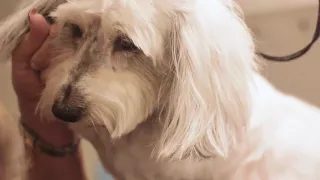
(302, 51)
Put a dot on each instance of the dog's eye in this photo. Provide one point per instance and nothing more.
(124, 44)
(76, 31)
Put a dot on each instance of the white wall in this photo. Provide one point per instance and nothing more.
(285, 33)
(254, 7)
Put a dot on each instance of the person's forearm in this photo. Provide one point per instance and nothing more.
(46, 167)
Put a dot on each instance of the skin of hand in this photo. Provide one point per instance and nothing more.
(29, 60)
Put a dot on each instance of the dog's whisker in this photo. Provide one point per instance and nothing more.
(93, 124)
(97, 126)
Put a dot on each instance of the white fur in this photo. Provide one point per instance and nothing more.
(191, 105)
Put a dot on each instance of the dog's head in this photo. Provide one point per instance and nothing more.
(117, 62)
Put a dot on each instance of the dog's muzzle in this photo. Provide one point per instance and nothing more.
(69, 106)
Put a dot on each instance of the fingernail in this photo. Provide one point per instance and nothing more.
(32, 12)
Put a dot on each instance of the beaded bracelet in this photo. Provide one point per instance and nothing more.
(32, 139)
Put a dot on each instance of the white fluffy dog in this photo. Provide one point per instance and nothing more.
(169, 90)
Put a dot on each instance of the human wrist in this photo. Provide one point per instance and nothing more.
(51, 131)
(48, 167)
(36, 142)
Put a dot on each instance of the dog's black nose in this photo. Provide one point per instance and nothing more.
(69, 105)
(67, 112)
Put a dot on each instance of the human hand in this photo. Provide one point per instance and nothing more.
(29, 59)
(26, 81)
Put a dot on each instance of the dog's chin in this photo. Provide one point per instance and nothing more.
(93, 133)
(97, 135)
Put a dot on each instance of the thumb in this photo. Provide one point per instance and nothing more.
(39, 30)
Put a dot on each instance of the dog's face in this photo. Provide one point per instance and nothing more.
(114, 63)
(104, 70)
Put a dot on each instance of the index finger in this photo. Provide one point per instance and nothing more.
(39, 30)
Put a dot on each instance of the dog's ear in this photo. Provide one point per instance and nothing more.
(212, 56)
(16, 25)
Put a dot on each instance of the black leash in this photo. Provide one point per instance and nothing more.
(302, 51)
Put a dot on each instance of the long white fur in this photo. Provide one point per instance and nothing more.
(201, 111)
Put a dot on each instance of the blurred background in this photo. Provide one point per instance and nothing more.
(280, 27)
